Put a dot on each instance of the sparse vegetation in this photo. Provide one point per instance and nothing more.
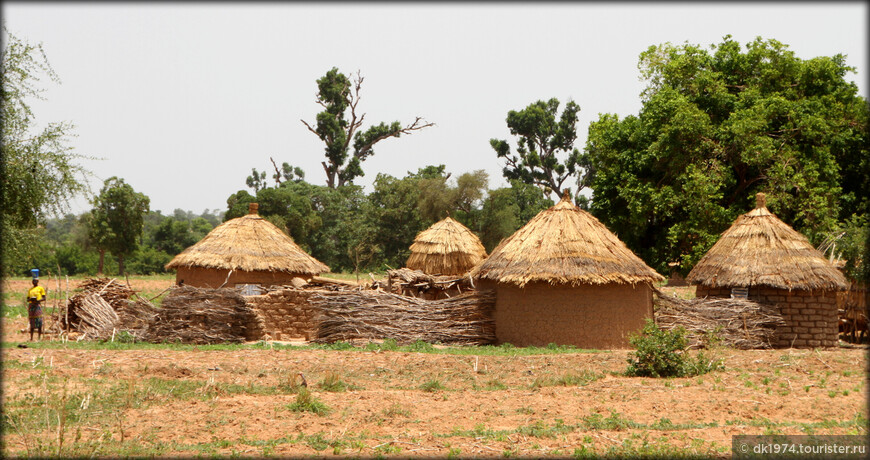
(664, 353)
(306, 402)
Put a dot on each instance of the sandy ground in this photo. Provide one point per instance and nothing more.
(237, 402)
(490, 411)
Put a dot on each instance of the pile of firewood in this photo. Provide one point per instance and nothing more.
(404, 281)
(736, 323)
(372, 315)
(203, 316)
(94, 311)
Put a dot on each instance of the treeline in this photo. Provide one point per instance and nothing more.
(66, 247)
(343, 227)
(718, 124)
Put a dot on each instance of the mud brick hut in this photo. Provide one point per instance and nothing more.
(446, 248)
(762, 257)
(564, 278)
(246, 252)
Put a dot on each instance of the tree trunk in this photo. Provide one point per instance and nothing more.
(120, 265)
(102, 258)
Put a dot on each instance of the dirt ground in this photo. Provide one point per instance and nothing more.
(172, 402)
(238, 402)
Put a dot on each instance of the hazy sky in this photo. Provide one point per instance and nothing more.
(183, 100)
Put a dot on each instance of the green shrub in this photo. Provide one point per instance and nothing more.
(663, 353)
(332, 382)
(307, 403)
(432, 386)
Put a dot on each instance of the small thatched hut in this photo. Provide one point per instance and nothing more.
(446, 248)
(564, 278)
(764, 258)
(247, 250)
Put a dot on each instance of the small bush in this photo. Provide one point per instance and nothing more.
(332, 382)
(432, 386)
(305, 402)
(663, 353)
(421, 347)
(125, 337)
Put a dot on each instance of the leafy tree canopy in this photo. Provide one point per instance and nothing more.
(339, 124)
(39, 171)
(117, 219)
(719, 126)
(543, 138)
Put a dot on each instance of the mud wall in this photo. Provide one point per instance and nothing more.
(286, 314)
(811, 316)
(214, 278)
(600, 317)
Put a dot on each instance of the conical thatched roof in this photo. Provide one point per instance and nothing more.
(761, 250)
(564, 245)
(248, 243)
(446, 248)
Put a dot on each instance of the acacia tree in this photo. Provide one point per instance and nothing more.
(117, 220)
(39, 174)
(543, 139)
(716, 128)
(338, 125)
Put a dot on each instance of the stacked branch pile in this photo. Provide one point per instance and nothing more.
(188, 315)
(366, 315)
(94, 311)
(737, 323)
(203, 316)
(405, 281)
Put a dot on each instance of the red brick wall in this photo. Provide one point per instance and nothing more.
(286, 314)
(600, 317)
(811, 316)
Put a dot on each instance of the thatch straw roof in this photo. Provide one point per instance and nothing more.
(446, 248)
(564, 245)
(761, 250)
(248, 243)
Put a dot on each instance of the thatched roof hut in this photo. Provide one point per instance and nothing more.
(761, 250)
(764, 259)
(564, 245)
(244, 250)
(564, 278)
(446, 248)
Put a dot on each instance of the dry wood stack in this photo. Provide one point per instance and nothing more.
(462, 320)
(202, 316)
(94, 311)
(404, 281)
(736, 323)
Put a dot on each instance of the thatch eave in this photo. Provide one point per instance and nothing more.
(761, 250)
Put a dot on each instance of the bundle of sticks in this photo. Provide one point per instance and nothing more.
(203, 316)
(736, 323)
(94, 310)
(405, 281)
(372, 315)
(110, 290)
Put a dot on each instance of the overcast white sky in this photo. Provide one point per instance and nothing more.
(183, 100)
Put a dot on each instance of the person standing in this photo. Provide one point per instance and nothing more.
(35, 296)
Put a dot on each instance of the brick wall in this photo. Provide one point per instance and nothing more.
(811, 316)
(286, 314)
(589, 316)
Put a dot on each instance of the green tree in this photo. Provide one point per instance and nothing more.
(257, 180)
(716, 128)
(117, 220)
(507, 209)
(39, 173)
(339, 123)
(543, 139)
(438, 197)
